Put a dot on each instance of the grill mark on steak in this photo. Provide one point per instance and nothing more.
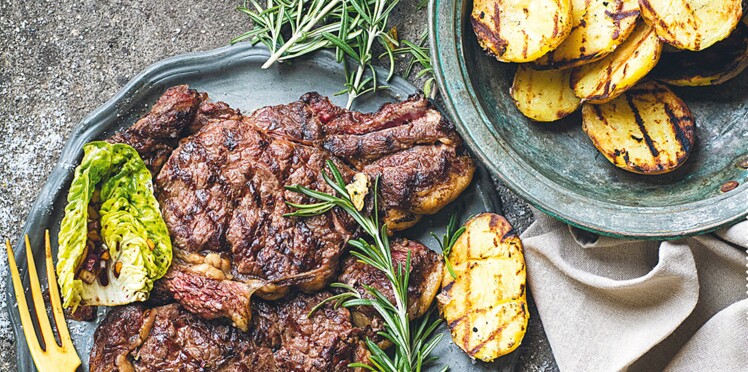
(223, 189)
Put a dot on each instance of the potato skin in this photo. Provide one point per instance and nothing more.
(716, 65)
(486, 306)
(647, 130)
(598, 27)
(518, 30)
(692, 24)
(543, 95)
(604, 80)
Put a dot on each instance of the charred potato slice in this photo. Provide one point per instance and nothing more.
(543, 95)
(485, 307)
(716, 65)
(647, 130)
(521, 30)
(598, 27)
(601, 81)
(692, 24)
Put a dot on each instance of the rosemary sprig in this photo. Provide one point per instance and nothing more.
(292, 28)
(413, 341)
(448, 241)
(421, 55)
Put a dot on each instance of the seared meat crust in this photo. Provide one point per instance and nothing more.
(117, 336)
(282, 338)
(326, 341)
(223, 189)
(409, 145)
(156, 134)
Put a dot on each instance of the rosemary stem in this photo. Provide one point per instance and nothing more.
(353, 93)
(299, 33)
(402, 311)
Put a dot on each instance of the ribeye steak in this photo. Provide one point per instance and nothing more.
(221, 182)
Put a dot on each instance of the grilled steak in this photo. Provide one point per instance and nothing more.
(223, 197)
(223, 189)
(282, 338)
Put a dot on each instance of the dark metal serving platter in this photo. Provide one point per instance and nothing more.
(230, 74)
(555, 167)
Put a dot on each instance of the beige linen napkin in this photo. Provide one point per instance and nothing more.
(611, 304)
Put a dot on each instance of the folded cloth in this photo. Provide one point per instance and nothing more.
(612, 304)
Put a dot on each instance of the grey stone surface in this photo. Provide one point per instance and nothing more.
(61, 59)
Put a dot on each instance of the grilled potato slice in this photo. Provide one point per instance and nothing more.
(601, 81)
(716, 65)
(543, 95)
(692, 24)
(598, 27)
(486, 306)
(521, 30)
(647, 130)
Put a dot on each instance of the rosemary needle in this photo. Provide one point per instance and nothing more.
(448, 241)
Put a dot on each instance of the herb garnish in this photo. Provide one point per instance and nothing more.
(292, 28)
(413, 341)
(448, 241)
(421, 55)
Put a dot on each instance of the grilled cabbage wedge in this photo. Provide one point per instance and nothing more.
(692, 24)
(518, 30)
(716, 65)
(647, 130)
(543, 95)
(598, 27)
(132, 229)
(604, 80)
(485, 307)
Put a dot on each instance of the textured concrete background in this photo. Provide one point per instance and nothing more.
(61, 59)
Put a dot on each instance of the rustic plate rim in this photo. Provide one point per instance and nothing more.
(445, 37)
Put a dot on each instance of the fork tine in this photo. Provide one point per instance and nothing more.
(36, 291)
(54, 297)
(23, 308)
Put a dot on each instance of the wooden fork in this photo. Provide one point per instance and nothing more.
(53, 357)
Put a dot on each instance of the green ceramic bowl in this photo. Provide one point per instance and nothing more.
(555, 167)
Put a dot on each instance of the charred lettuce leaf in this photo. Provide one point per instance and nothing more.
(131, 228)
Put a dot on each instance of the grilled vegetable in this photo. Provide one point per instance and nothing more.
(518, 30)
(598, 27)
(716, 65)
(485, 306)
(543, 95)
(605, 79)
(135, 242)
(692, 24)
(647, 130)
